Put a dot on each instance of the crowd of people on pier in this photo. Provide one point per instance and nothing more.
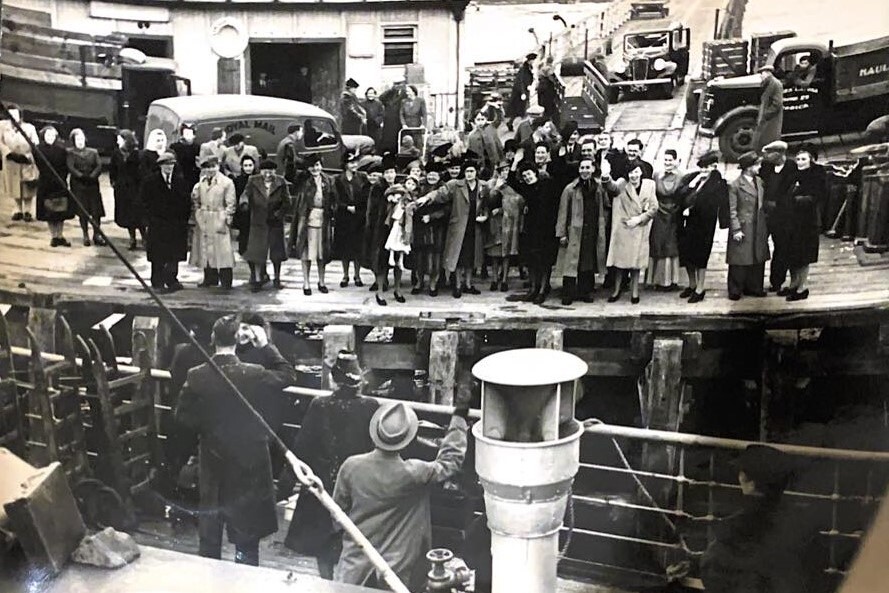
(542, 201)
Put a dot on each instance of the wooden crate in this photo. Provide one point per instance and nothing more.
(725, 57)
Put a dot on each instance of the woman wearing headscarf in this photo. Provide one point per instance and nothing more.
(129, 212)
(633, 209)
(809, 194)
(155, 146)
(53, 204)
(84, 168)
(351, 188)
(663, 268)
(310, 233)
(267, 199)
(241, 220)
(767, 546)
(704, 201)
(540, 246)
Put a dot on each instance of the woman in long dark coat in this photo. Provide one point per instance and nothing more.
(333, 429)
(124, 172)
(803, 236)
(539, 245)
(391, 100)
(430, 226)
(376, 231)
(53, 205)
(351, 188)
(376, 114)
(705, 198)
(266, 198)
(84, 168)
(241, 220)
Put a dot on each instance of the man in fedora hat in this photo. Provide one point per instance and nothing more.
(771, 109)
(235, 468)
(167, 207)
(333, 429)
(387, 497)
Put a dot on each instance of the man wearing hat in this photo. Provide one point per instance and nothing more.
(215, 146)
(464, 243)
(521, 90)
(387, 497)
(493, 110)
(312, 227)
(524, 131)
(232, 155)
(779, 175)
(333, 429)
(748, 246)
(266, 200)
(235, 468)
(771, 544)
(167, 202)
(213, 203)
(353, 117)
(287, 153)
(771, 109)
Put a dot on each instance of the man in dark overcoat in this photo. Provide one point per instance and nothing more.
(235, 468)
(778, 177)
(770, 118)
(577, 229)
(748, 246)
(333, 429)
(167, 200)
(521, 90)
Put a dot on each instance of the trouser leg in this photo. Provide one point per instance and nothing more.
(225, 277)
(736, 280)
(755, 280)
(209, 521)
(247, 553)
(157, 274)
(328, 558)
(211, 277)
(171, 273)
(569, 288)
(586, 282)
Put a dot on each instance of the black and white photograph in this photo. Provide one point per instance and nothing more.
(444, 296)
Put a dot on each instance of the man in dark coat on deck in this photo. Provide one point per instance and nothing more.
(778, 174)
(167, 200)
(333, 429)
(770, 119)
(521, 90)
(235, 468)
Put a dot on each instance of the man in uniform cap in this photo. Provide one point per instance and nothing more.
(388, 497)
(771, 108)
(779, 174)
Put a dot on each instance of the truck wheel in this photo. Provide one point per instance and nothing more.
(737, 138)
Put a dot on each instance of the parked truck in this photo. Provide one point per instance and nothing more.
(850, 88)
(654, 58)
(74, 80)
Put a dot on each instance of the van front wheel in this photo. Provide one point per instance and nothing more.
(737, 137)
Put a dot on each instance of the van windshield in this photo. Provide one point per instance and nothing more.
(163, 118)
(318, 132)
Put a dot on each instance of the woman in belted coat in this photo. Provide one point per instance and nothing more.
(213, 202)
(633, 209)
(310, 232)
(803, 236)
(351, 188)
(84, 168)
(126, 178)
(53, 204)
(267, 199)
(748, 246)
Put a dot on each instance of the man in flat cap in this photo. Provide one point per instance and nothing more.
(213, 203)
(778, 178)
(388, 497)
(771, 109)
(167, 207)
(353, 117)
(521, 90)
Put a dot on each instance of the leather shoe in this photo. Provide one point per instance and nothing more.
(381, 301)
(734, 297)
(17, 216)
(175, 287)
(614, 298)
(457, 293)
(697, 297)
(54, 242)
(373, 287)
(416, 290)
(540, 298)
(358, 282)
(471, 290)
(433, 292)
(399, 297)
(758, 294)
(63, 242)
(344, 282)
(307, 291)
(322, 289)
(567, 301)
(504, 287)
(278, 284)
(686, 293)
(634, 300)
(784, 292)
(798, 296)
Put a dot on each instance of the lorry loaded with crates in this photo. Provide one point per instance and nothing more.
(75, 80)
(846, 88)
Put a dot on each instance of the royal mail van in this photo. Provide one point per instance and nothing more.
(262, 120)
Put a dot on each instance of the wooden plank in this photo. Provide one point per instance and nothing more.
(443, 366)
(60, 65)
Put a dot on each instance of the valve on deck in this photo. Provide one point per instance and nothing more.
(442, 579)
(527, 453)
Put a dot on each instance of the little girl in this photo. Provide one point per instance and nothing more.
(398, 243)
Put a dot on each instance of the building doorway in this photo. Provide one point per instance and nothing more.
(309, 71)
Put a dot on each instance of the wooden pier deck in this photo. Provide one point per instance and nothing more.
(34, 274)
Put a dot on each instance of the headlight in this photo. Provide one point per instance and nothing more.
(660, 64)
(620, 68)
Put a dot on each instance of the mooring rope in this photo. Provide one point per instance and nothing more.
(303, 472)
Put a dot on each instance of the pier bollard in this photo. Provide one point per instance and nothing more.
(527, 454)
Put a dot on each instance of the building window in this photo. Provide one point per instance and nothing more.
(399, 45)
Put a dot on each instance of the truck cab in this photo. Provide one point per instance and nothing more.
(654, 57)
(827, 90)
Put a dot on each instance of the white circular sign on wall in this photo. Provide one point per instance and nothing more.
(228, 37)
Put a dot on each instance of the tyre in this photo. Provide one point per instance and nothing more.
(737, 137)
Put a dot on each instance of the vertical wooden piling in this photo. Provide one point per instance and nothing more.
(336, 338)
(42, 323)
(443, 356)
(150, 337)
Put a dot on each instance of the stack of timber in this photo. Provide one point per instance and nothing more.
(725, 57)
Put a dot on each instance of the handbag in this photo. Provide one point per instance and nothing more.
(56, 204)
